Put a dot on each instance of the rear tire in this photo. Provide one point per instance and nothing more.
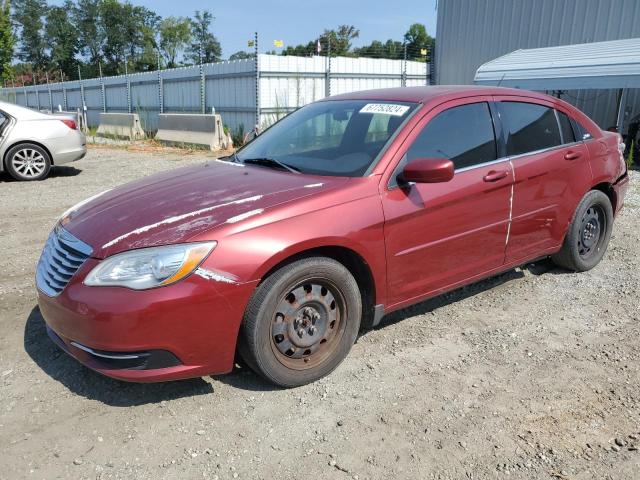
(588, 235)
(28, 162)
(301, 322)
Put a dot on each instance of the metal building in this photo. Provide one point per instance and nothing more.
(471, 33)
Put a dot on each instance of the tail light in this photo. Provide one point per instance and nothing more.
(70, 123)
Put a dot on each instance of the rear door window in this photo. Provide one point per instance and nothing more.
(462, 134)
(529, 127)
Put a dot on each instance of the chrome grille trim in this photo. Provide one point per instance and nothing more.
(62, 256)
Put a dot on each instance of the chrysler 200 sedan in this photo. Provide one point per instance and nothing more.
(343, 211)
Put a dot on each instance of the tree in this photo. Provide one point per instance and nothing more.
(204, 43)
(418, 39)
(341, 39)
(60, 34)
(7, 41)
(28, 14)
(90, 31)
(128, 31)
(241, 55)
(390, 49)
(175, 35)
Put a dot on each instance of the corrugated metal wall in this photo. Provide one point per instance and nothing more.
(286, 83)
(470, 33)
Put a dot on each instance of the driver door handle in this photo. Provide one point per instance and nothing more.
(495, 175)
(570, 155)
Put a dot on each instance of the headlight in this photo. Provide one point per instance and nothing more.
(149, 267)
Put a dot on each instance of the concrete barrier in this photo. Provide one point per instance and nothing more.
(126, 125)
(193, 129)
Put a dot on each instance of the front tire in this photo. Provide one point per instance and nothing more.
(28, 162)
(588, 235)
(301, 322)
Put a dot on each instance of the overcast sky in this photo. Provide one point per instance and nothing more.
(298, 21)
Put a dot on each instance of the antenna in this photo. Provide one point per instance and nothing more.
(501, 79)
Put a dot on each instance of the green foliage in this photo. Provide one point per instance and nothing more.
(28, 17)
(175, 35)
(238, 136)
(89, 29)
(128, 32)
(630, 155)
(7, 40)
(418, 39)
(241, 55)
(390, 49)
(60, 35)
(341, 38)
(205, 46)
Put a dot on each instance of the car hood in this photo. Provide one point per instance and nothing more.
(174, 206)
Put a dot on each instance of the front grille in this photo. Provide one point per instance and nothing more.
(61, 258)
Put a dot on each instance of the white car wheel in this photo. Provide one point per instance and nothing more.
(28, 162)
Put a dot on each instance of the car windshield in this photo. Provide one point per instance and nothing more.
(335, 138)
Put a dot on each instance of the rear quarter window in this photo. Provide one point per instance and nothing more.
(568, 136)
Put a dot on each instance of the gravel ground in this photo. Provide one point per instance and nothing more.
(533, 374)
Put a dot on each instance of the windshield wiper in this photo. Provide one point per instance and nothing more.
(271, 162)
(233, 158)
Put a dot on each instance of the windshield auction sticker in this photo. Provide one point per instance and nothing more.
(385, 109)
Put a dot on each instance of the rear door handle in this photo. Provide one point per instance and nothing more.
(572, 155)
(495, 175)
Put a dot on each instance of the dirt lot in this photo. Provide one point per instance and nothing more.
(532, 375)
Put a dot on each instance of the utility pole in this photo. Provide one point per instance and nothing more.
(64, 91)
(49, 89)
(35, 80)
(103, 92)
(327, 86)
(26, 96)
(203, 100)
(257, 68)
(84, 105)
(160, 88)
(126, 75)
(404, 65)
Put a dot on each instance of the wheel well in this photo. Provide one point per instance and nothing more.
(20, 142)
(608, 190)
(356, 265)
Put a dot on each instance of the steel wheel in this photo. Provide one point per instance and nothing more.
(301, 321)
(307, 324)
(29, 163)
(588, 234)
(592, 227)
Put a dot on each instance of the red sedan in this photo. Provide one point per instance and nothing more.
(345, 210)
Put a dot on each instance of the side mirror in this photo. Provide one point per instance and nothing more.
(428, 170)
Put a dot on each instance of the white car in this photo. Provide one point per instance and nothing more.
(32, 142)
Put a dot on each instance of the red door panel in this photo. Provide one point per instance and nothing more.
(547, 189)
(440, 234)
(548, 185)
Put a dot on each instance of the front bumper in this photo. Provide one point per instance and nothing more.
(184, 330)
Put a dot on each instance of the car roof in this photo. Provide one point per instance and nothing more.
(21, 113)
(428, 93)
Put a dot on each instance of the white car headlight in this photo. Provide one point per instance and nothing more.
(149, 267)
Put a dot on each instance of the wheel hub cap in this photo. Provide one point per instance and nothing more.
(28, 162)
